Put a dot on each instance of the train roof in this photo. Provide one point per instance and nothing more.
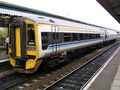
(21, 9)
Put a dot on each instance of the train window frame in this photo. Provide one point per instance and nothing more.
(51, 38)
(31, 37)
(59, 37)
(81, 36)
(45, 41)
(98, 35)
(75, 37)
(86, 36)
(67, 37)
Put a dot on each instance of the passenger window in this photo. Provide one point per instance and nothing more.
(98, 35)
(75, 36)
(67, 37)
(54, 38)
(93, 36)
(31, 37)
(86, 36)
(81, 36)
(45, 42)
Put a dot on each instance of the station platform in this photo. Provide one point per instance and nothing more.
(108, 77)
(3, 56)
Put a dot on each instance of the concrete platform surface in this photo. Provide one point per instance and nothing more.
(108, 78)
(3, 54)
(116, 81)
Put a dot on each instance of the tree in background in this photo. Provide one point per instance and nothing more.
(3, 35)
(4, 32)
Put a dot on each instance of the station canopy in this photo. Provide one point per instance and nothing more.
(7, 11)
(113, 7)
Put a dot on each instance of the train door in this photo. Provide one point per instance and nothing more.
(105, 38)
(55, 39)
(18, 40)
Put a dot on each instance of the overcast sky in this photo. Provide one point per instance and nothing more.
(83, 10)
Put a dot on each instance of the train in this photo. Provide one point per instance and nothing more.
(37, 40)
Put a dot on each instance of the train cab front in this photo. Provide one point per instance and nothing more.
(23, 45)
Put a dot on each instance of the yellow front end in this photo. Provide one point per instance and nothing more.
(24, 50)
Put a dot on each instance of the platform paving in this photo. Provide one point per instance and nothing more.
(116, 82)
(109, 78)
(3, 54)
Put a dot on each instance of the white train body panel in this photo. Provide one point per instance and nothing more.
(67, 46)
(111, 34)
(76, 28)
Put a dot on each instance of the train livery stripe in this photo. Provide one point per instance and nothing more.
(74, 43)
(47, 28)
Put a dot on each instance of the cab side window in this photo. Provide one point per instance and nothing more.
(45, 41)
(31, 37)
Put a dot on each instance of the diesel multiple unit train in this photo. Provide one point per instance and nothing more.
(34, 40)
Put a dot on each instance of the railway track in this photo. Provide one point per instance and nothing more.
(5, 66)
(78, 79)
(42, 80)
(14, 78)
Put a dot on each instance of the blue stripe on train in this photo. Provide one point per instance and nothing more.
(73, 43)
